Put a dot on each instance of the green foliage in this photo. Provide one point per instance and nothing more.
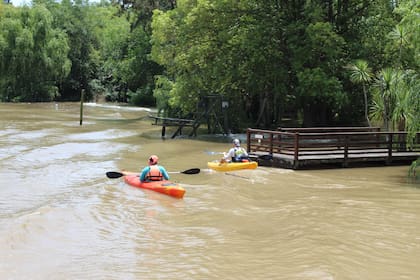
(414, 170)
(112, 32)
(321, 96)
(395, 100)
(162, 93)
(360, 73)
(125, 48)
(322, 47)
(386, 86)
(404, 38)
(368, 37)
(396, 95)
(213, 47)
(413, 105)
(142, 97)
(74, 19)
(97, 88)
(114, 96)
(316, 63)
(269, 59)
(33, 57)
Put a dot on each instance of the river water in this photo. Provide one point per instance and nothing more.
(61, 218)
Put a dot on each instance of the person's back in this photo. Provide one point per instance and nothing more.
(237, 153)
(153, 172)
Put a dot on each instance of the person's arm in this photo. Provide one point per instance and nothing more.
(229, 155)
(245, 152)
(144, 173)
(164, 172)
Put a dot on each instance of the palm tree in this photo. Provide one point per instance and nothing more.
(394, 103)
(389, 91)
(399, 34)
(360, 73)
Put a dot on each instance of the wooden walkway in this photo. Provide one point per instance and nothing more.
(302, 148)
(180, 123)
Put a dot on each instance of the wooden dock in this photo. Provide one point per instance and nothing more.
(310, 148)
(179, 123)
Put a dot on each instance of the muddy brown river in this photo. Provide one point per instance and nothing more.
(62, 218)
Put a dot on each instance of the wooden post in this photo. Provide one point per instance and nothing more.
(225, 106)
(390, 144)
(271, 143)
(248, 141)
(82, 97)
(280, 143)
(296, 156)
(163, 131)
(346, 151)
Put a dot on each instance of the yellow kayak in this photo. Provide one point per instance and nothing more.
(230, 166)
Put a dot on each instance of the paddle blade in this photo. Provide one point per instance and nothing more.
(113, 174)
(191, 171)
(214, 153)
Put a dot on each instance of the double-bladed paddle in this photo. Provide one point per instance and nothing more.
(214, 153)
(188, 171)
(264, 157)
(115, 174)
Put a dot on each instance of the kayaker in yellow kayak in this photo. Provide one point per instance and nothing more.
(235, 154)
(153, 172)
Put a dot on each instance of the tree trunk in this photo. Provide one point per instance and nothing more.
(262, 109)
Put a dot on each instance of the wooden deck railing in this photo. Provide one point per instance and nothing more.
(165, 122)
(304, 144)
(330, 129)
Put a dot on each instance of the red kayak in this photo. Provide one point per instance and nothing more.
(164, 187)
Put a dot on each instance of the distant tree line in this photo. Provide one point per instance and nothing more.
(317, 63)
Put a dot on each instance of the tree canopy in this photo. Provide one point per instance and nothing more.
(312, 63)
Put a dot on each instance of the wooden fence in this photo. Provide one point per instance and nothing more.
(299, 147)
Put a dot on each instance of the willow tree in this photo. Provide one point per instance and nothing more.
(72, 17)
(33, 57)
(112, 32)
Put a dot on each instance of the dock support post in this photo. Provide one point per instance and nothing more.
(346, 151)
(163, 131)
(390, 144)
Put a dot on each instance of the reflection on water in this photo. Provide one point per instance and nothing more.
(61, 218)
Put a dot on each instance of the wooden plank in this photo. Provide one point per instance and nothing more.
(165, 122)
(297, 150)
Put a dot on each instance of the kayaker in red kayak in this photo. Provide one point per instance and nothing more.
(236, 154)
(153, 172)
